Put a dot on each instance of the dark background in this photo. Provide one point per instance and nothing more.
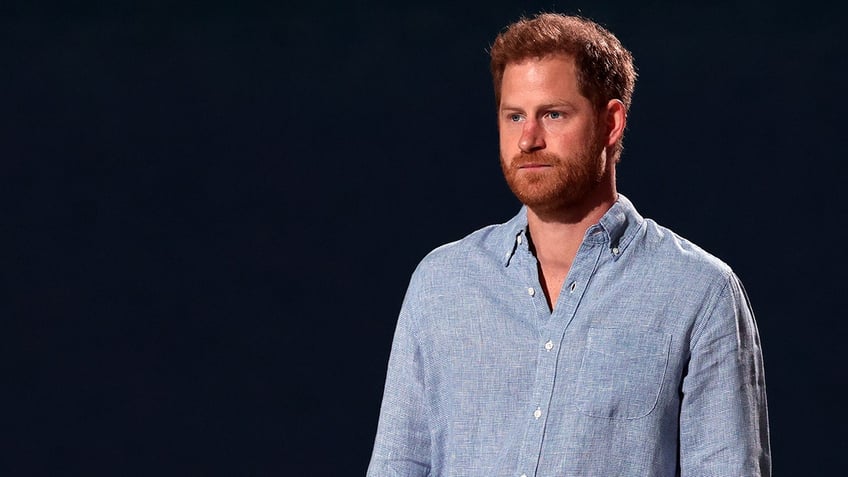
(210, 212)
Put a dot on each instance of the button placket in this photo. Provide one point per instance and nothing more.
(552, 325)
(553, 332)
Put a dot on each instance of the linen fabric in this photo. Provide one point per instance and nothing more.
(649, 365)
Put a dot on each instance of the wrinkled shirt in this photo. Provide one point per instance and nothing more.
(649, 364)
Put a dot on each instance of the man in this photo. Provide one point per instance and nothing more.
(579, 338)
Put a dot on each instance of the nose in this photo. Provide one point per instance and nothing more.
(532, 137)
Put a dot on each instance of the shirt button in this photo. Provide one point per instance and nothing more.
(523, 475)
(531, 291)
(549, 345)
(537, 413)
(615, 250)
(573, 286)
(519, 240)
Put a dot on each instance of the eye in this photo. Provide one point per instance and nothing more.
(514, 117)
(555, 115)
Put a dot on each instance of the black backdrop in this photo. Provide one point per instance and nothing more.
(210, 212)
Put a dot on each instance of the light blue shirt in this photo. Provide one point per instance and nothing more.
(649, 365)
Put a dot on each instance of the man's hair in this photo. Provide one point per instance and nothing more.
(605, 68)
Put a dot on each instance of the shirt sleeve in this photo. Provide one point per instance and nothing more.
(402, 445)
(723, 417)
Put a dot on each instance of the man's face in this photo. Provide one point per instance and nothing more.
(551, 141)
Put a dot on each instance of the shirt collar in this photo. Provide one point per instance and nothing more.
(616, 229)
(513, 229)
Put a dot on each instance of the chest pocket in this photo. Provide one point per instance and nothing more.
(622, 372)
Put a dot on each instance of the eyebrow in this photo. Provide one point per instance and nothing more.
(551, 105)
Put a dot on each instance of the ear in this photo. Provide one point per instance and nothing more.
(616, 120)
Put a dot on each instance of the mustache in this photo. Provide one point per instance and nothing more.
(523, 159)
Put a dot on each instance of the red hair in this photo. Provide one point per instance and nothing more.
(605, 68)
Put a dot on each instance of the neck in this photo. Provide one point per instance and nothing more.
(557, 233)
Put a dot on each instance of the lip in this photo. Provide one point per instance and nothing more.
(533, 166)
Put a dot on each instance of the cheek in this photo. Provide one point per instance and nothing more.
(509, 137)
(576, 140)
(505, 143)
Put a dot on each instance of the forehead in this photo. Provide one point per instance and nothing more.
(553, 75)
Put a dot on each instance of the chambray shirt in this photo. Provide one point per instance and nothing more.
(649, 365)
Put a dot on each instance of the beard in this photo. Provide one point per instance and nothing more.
(565, 184)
